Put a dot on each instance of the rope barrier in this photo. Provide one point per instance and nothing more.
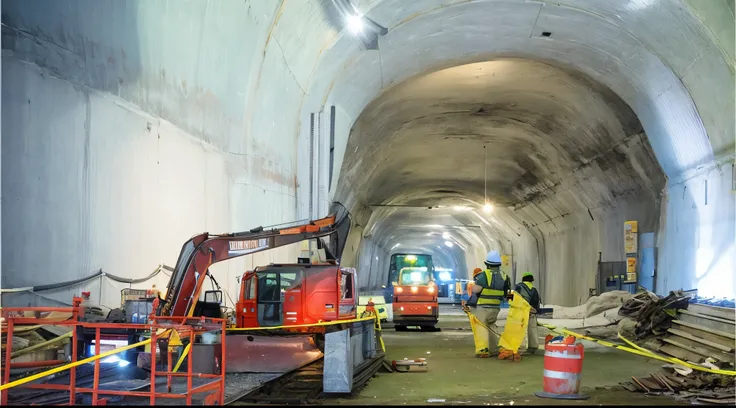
(335, 322)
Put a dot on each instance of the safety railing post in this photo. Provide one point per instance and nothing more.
(96, 380)
(169, 356)
(73, 370)
(222, 362)
(190, 364)
(8, 351)
(153, 365)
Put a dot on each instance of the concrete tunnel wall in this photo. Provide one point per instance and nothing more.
(130, 126)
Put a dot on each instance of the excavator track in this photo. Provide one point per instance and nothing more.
(304, 386)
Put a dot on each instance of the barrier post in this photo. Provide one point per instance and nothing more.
(190, 365)
(168, 367)
(96, 380)
(73, 370)
(8, 351)
(154, 345)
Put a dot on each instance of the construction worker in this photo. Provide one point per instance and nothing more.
(492, 287)
(527, 290)
(469, 298)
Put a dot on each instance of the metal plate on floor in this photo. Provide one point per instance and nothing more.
(269, 354)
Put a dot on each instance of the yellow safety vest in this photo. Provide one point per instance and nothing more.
(492, 295)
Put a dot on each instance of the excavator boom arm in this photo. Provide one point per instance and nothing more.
(203, 250)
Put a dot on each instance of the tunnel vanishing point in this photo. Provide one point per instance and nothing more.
(130, 125)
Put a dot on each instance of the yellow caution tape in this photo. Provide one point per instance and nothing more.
(638, 350)
(71, 365)
(335, 322)
(181, 359)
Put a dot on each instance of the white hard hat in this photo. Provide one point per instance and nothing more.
(493, 258)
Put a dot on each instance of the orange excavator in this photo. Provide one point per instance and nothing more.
(266, 288)
(277, 295)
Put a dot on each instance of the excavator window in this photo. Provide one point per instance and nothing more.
(250, 289)
(347, 285)
(272, 287)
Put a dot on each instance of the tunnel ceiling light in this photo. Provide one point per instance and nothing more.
(363, 29)
(355, 23)
(449, 244)
(446, 235)
(488, 208)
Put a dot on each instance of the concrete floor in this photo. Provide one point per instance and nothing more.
(457, 377)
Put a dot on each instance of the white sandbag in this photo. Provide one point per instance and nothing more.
(607, 317)
(574, 312)
(626, 327)
(612, 315)
(597, 320)
(607, 300)
(602, 332)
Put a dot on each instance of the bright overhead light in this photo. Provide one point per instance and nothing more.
(488, 208)
(355, 23)
(449, 244)
(446, 235)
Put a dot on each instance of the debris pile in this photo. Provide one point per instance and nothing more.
(38, 347)
(686, 384)
(692, 332)
(653, 314)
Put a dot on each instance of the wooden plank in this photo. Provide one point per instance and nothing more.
(702, 316)
(699, 348)
(681, 353)
(726, 401)
(693, 337)
(707, 321)
(695, 326)
(722, 312)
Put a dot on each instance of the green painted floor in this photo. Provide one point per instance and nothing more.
(457, 377)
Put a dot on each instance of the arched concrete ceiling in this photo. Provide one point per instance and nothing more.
(526, 126)
(604, 67)
(428, 137)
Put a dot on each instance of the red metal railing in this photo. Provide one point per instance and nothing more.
(186, 328)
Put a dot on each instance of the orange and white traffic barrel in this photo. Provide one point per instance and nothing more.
(563, 366)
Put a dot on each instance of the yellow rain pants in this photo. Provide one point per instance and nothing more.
(516, 324)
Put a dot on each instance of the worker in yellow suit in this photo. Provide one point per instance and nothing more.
(492, 287)
(480, 335)
(527, 290)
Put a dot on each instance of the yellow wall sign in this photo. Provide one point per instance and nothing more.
(631, 242)
(506, 264)
(630, 269)
(505, 260)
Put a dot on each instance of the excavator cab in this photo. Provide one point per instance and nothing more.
(296, 294)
